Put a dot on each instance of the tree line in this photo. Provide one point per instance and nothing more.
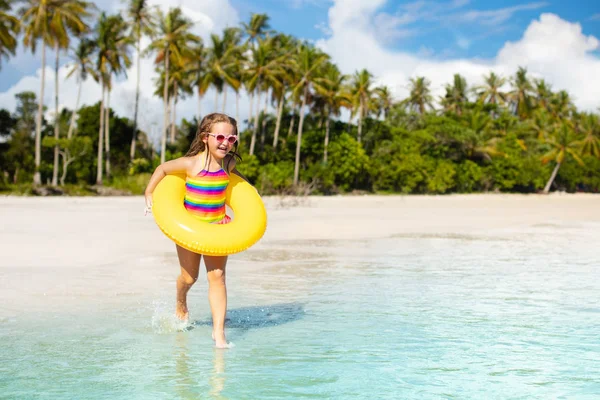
(509, 133)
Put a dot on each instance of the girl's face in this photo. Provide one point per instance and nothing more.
(220, 148)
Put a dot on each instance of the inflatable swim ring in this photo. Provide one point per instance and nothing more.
(246, 228)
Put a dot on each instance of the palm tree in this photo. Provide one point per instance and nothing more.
(456, 95)
(564, 143)
(67, 18)
(83, 66)
(35, 19)
(521, 94)
(385, 100)
(361, 91)
(420, 95)
(561, 106)
(172, 44)
(330, 86)
(543, 94)
(285, 46)
(542, 124)
(483, 144)
(308, 62)
(257, 28)
(227, 55)
(141, 17)
(9, 29)
(112, 58)
(589, 125)
(197, 69)
(180, 83)
(491, 91)
(263, 70)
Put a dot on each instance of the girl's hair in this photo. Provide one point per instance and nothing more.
(207, 123)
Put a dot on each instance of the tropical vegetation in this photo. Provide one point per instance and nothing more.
(328, 132)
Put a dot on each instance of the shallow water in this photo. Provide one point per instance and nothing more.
(511, 313)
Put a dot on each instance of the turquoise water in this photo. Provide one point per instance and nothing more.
(508, 314)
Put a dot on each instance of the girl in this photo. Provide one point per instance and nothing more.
(208, 163)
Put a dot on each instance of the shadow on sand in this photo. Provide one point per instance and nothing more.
(246, 318)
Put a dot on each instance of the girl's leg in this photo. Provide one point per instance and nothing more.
(190, 264)
(217, 296)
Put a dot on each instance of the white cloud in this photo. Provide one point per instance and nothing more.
(296, 4)
(495, 17)
(550, 47)
(463, 42)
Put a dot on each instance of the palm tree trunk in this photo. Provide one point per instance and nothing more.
(67, 160)
(251, 114)
(255, 127)
(326, 144)
(74, 113)
(107, 132)
(56, 120)
(551, 180)
(299, 139)
(99, 162)
(137, 100)
(264, 122)
(292, 121)
(174, 122)
(360, 121)
(224, 99)
(37, 177)
(278, 123)
(63, 176)
(163, 147)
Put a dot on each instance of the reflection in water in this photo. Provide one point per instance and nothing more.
(183, 379)
(186, 379)
(217, 377)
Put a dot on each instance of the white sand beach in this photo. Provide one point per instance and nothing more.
(56, 249)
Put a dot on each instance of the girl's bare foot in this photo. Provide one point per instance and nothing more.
(181, 311)
(220, 341)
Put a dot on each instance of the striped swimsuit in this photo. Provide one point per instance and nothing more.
(205, 196)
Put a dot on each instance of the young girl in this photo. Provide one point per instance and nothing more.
(208, 163)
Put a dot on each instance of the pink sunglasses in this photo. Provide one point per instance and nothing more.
(220, 137)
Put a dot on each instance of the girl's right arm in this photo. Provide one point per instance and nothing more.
(177, 166)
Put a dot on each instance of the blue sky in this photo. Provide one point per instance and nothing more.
(445, 29)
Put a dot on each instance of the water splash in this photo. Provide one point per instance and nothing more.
(164, 320)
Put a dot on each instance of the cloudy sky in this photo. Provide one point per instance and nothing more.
(395, 40)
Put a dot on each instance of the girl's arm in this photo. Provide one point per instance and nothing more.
(177, 166)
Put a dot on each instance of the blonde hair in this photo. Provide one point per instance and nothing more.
(198, 145)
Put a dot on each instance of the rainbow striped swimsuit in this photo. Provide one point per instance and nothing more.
(205, 195)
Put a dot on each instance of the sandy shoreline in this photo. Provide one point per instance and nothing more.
(93, 230)
(60, 248)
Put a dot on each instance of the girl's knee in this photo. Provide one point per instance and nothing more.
(216, 276)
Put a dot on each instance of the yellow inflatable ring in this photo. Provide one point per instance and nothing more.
(245, 229)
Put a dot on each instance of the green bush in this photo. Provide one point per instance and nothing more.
(468, 177)
(135, 184)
